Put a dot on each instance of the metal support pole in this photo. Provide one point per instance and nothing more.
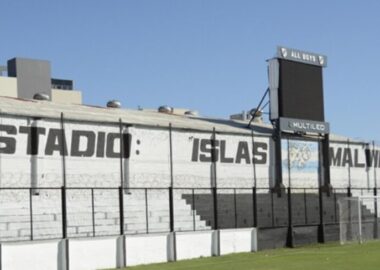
(171, 155)
(254, 163)
(360, 220)
(193, 209)
(121, 153)
(376, 231)
(64, 212)
(121, 210)
(374, 166)
(290, 240)
(326, 164)
(31, 212)
(279, 186)
(349, 168)
(335, 207)
(214, 158)
(93, 211)
(258, 107)
(349, 194)
(146, 210)
(321, 231)
(235, 208)
(171, 209)
(63, 150)
(254, 205)
(215, 199)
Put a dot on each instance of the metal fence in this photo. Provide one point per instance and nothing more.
(50, 213)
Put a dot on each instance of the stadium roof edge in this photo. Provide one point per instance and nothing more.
(79, 112)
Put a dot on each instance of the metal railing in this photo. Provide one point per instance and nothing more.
(46, 213)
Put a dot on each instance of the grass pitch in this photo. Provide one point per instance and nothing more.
(317, 257)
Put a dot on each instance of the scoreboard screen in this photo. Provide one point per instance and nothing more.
(300, 91)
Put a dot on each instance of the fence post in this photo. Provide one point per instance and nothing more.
(193, 199)
(31, 212)
(376, 232)
(172, 235)
(64, 212)
(171, 209)
(290, 240)
(93, 211)
(321, 231)
(216, 232)
(214, 193)
(254, 201)
(121, 258)
(235, 209)
(146, 210)
(121, 210)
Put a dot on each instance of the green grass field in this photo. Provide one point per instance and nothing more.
(317, 257)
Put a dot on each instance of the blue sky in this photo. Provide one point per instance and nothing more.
(206, 55)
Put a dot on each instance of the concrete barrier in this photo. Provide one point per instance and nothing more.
(237, 240)
(96, 253)
(120, 251)
(36, 255)
(191, 245)
(145, 249)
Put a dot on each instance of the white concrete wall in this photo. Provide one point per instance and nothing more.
(191, 245)
(112, 252)
(238, 240)
(46, 255)
(144, 249)
(94, 253)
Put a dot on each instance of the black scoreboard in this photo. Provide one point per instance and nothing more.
(296, 90)
(300, 92)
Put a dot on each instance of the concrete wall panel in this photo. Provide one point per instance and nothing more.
(236, 240)
(36, 255)
(144, 249)
(194, 245)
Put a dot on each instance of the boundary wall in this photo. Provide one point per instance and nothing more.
(122, 251)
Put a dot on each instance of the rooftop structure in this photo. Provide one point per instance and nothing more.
(28, 77)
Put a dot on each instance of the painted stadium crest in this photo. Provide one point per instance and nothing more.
(299, 155)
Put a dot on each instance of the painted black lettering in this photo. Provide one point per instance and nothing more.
(356, 158)
(79, 136)
(259, 153)
(335, 160)
(214, 150)
(372, 157)
(55, 142)
(127, 139)
(100, 145)
(194, 155)
(242, 153)
(8, 144)
(223, 157)
(110, 151)
(33, 135)
(206, 151)
(347, 157)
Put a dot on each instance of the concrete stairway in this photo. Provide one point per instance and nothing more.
(16, 217)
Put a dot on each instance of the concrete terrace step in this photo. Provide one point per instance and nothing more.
(47, 218)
